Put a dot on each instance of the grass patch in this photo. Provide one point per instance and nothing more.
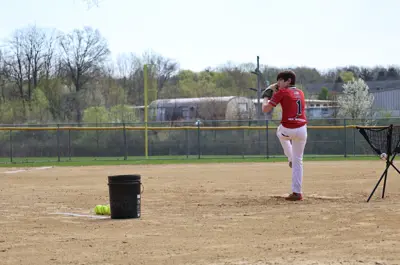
(111, 161)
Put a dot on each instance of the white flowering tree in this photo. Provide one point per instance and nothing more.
(356, 101)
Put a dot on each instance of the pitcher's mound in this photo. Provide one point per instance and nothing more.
(312, 196)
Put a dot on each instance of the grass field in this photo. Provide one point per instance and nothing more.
(137, 160)
(201, 212)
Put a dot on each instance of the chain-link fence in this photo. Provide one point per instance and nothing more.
(219, 139)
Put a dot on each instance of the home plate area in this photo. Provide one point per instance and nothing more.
(202, 214)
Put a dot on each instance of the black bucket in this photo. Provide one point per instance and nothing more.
(125, 196)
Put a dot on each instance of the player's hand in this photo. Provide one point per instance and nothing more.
(269, 91)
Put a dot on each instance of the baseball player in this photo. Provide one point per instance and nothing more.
(292, 131)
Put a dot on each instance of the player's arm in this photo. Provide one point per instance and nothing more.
(268, 105)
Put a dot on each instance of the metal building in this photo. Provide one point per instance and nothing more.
(387, 100)
(205, 108)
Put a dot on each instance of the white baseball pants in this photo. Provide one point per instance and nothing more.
(293, 142)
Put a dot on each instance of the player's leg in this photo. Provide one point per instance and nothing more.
(298, 146)
(284, 137)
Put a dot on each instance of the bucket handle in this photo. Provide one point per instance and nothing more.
(141, 184)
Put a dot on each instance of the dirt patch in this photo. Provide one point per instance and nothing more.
(203, 214)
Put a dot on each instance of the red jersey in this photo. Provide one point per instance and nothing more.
(293, 106)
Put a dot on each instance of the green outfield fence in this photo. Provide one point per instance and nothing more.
(186, 140)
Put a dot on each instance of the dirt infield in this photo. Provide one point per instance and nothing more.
(203, 214)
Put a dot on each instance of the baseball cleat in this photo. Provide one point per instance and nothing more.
(290, 164)
(294, 197)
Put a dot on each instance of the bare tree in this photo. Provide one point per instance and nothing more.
(14, 62)
(28, 53)
(2, 77)
(34, 49)
(366, 74)
(163, 68)
(49, 58)
(125, 66)
(83, 53)
(130, 72)
(393, 73)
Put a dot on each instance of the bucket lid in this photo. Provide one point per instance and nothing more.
(134, 177)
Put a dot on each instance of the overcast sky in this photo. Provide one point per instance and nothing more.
(198, 34)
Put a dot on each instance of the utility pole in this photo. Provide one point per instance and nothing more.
(258, 73)
(258, 88)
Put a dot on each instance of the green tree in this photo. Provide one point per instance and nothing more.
(323, 94)
(39, 106)
(7, 112)
(192, 84)
(54, 90)
(116, 95)
(96, 114)
(122, 113)
(347, 76)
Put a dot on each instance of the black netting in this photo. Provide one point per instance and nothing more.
(396, 139)
(382, 139)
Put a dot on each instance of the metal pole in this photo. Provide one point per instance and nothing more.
(267, 147)
(243, 143)
(69, 144)
(354, 142)
(187, 143)
(11, 147)
(198, 140)
(125, 143)
(258, 89)
(58, 143)
(345, 137)
(258, 101)
(146, 142)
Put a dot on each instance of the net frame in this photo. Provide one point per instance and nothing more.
(391, 149)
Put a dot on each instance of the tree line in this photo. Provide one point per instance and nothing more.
(48, 76)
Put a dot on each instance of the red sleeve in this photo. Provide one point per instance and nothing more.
(276, 98)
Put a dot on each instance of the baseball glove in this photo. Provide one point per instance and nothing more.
(269, 91)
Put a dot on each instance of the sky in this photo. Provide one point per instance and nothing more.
(200, 34)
